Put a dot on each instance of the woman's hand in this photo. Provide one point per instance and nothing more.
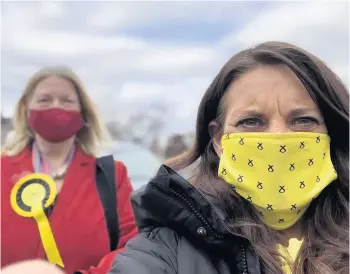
(31, 267)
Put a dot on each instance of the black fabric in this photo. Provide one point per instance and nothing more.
(105, 183)
(182, 232)
(48, 210)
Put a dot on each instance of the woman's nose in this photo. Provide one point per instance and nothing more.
(278, 126)
(56, 103)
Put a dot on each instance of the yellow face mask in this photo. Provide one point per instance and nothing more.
(279, 173)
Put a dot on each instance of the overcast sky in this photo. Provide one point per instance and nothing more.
(157, 54)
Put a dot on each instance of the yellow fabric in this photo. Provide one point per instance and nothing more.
(290, 252)
(279, 173)
(27, 198)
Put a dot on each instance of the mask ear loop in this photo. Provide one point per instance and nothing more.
(210, 150)
(86, 123)
(212, 133)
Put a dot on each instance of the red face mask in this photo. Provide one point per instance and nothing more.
(55, 124)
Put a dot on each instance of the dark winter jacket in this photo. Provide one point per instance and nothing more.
(181, 232)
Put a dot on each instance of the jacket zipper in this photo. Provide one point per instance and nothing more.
(244, 258)
(189, 204)
(206, 224)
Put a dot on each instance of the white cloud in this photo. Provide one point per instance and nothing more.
(124, 72)
(115, 53)
(172, 93)
(140, 91)
(177, 59)
(319, 27)
(304, 23)
(120, 15)
(28, 15)
(51, 9)
(287, 21)
(178, 101)
(67, 43)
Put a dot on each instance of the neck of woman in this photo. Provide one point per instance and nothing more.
(293, 232)
(54, 154)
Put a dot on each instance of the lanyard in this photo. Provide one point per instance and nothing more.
(39, 164)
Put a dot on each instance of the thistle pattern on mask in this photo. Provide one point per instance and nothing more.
(270, 168)
(285, 149)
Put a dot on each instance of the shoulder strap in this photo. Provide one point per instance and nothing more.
(105, 183)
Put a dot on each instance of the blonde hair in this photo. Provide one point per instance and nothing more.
(89, 138)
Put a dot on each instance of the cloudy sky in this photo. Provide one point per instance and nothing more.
(157, 55)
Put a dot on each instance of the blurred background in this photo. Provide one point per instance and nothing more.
(147, 64)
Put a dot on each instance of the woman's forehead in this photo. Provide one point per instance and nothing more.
(55, 85)
(266, 87)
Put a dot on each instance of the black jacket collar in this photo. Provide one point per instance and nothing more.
(169, 200)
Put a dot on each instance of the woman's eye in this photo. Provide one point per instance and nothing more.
(68, 101)
(42, 100)
(250, 122)
(305, 121)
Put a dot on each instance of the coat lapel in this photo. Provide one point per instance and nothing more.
(22, 164)
(68, 199)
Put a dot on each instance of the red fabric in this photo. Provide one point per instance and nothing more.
(55, 124)
(77, 220)
(105, 264)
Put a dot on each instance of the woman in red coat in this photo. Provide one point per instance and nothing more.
(57, 132)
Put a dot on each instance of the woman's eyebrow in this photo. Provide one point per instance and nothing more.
(248, 112)
(302, 111)
(234, 116)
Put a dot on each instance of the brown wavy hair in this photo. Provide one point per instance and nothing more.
(326, 223)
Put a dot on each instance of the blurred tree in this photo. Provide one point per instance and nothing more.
(144, 127)
(114, 129)
(6, 127)
(155, 147)
(176, 145)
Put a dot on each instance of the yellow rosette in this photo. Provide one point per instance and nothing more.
(29, 197)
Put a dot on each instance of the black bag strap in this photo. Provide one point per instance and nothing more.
(105, 183)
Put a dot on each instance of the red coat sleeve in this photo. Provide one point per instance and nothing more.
(127, 226)
(105, 264)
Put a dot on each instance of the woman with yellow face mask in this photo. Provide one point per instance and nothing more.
(270, 192)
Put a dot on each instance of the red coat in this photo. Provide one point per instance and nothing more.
(77, 220)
